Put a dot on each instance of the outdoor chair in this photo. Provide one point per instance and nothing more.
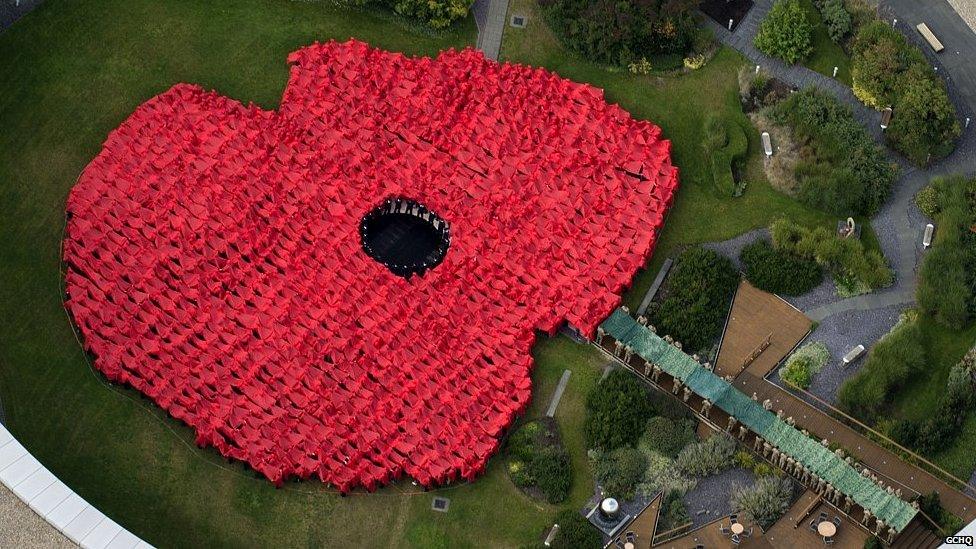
(619, 543)
(823, 516)
(748, 533)
(631, 537)
(829, 541)
(723, 529)
(736, 539)
(813, 525)
(836, 520)
(733, 518)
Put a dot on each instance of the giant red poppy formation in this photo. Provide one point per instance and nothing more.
(214, 262)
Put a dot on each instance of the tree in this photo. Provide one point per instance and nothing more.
(925, 120)
(575, 532)
(617, 411)
(785, 32)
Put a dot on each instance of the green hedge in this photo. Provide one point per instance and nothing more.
(892, 362)
(619, 471)
(619, 32)
(666, 436)
(785, 32)
(617, 409)
(726, 144)
(777, 271)
(537, 459)
(697, 296)
(842, 170)
(436, 14)
(947, 278)
(889, 71)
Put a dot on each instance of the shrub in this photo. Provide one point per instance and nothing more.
(846, 259)
(835, 18)
(777, 271)
(674, 513)
(699, 290)
(931, 505)
(619, 471)
(892, 361)
(575, 532)
(694, 62)
(666, 437)
(888, 71)
(785, 32)
(617, 411)
(872, 542)
(940, 429)
(436, 14)
(765, 501)
(925, 122)
(661, 475)
(927, 201)
(947, 278)
(708, 457)
(620, 32)
(843, 171)
(641, 66)
(537, 459)
(803, 364)
(726, 144)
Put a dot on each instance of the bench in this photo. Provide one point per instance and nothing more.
(886, 118)
(853, 355)
(929, 37)
(927, 237)
(767, 144)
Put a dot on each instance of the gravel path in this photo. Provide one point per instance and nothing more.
(23, 528)
(967, 10)
(709, 500)
(840, 333)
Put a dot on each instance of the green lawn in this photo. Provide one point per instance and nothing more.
(826, 54)
(71, 71)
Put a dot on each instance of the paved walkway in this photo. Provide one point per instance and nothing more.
(899, 232)
(563, 381)
(490, 15)
(12, 10)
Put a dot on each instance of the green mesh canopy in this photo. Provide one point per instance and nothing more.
(894, 511)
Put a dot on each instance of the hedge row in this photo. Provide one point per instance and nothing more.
(843, 170)
(436, 14)
(620, 32)
(698, 292)
(777, 271)
(890, 72)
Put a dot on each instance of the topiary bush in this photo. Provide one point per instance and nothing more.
(764, 502)
(699, 290)
(617, 409)
(538, 463)
(619, 471)
(842, 170)
(575, 532)
(621, 32)
(713, 455)
(777, 271)
(785, 32)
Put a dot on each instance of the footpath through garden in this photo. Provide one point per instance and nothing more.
(490, 16)
(898, 230)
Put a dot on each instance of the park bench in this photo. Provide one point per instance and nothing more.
(929, 37)
(886, 118)
(767, 144)
(927, 237)
(853, 354)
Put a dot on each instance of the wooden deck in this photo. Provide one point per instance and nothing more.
(643, 525)
(755, 316)
(793, 530)
(709, 536)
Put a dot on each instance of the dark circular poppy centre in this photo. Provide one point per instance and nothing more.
(405, 236)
